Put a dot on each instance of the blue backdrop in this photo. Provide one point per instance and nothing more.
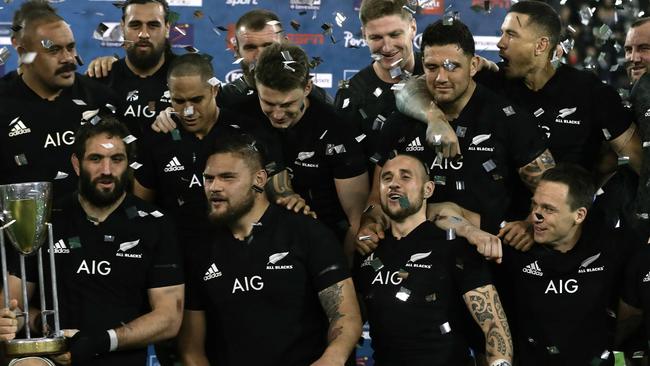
(208, 25)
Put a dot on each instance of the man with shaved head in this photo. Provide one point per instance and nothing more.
(41, 110)
(413, 283)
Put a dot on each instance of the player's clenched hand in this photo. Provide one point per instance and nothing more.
(164, 122)
(368, 237)
(487, 244)
(440, 135)
(517, 234)
(8, 321)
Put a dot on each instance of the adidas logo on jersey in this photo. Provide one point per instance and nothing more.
(533, 269)
(647, 277)
(174, 165)
(213, 272)
(60, 248)
(18, 128)
(415, 145)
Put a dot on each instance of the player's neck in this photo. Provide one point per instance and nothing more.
(569, 241)
(384, 74)
(453, 109)
(539, 76)
(402, 228)
(39, 88)
(243, 227)
(99, 214)
(213, 120)
(148, 72)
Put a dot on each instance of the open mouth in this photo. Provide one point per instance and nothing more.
(504, 60)
(394, 196)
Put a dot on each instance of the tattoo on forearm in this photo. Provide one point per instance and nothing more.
(280, 185)
(532, 172)
(331, 299)
(485, 306)
(480, 307)
(497, 341)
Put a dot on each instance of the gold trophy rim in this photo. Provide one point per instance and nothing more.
(48, 203)
(35, 346)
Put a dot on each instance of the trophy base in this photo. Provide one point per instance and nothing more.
(35, 346)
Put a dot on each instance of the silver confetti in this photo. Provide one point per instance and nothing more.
(188, 111)
(448, 65)
(4, 55)
(377, 92)
(323, 135)
(27, 58)
(607, 134)
(451, 233)
(109, 238)
(47, 44)
(403, 294)
(460, 131)
(489, 165)
(395, 72)
(445, 328)
(509, 110)
(61, 175)
(129, 139)
(376, 56)
(360, 137)
(108, 145)
(538, 112)
(553, 350)
(20, 160)
(156, 214)
(135, 165)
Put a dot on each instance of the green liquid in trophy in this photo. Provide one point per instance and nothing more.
(23, 231)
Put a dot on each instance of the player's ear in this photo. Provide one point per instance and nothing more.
(75, 163)
(580, 215)
(429, 187)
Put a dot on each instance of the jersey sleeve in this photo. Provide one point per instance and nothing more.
(612, 117)
(471, 270)
(146, 173)
(637, 280)
(325, 261)
(387, 138)
(167, 267)
(194, 292)
(345, 153)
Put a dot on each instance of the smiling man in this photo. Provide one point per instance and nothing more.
(637, 49)
(367, 99)
(564, 286)
(326, 161)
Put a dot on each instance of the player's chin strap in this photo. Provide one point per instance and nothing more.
(501, 362)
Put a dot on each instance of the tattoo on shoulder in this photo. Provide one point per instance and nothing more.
(280, 185)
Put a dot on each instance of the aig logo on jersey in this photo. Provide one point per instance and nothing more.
(18, 128)
(212, 272)
(274, 258)
(416, 257)
(126, 246)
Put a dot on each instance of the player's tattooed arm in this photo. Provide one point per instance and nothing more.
(340, 305)
(280, 191)
(532, 172)
(486, 309)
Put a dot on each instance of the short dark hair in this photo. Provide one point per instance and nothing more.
(423, 164)
(257, 19)
(242, 145)
(456, 33)
(107, 124)
(580, 182)
(164, 4)
(542, 15)
(191, 64)
(374, 9)
(272, 71)
(26, 11)
(639, 22)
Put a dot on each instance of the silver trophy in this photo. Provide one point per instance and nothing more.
(24, 214)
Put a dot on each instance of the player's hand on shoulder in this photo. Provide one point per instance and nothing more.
(295, 203)
(8, 321)
(100, 67)
(164, 122)
(517, 234)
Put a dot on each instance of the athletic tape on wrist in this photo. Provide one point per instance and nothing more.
(113, 339)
